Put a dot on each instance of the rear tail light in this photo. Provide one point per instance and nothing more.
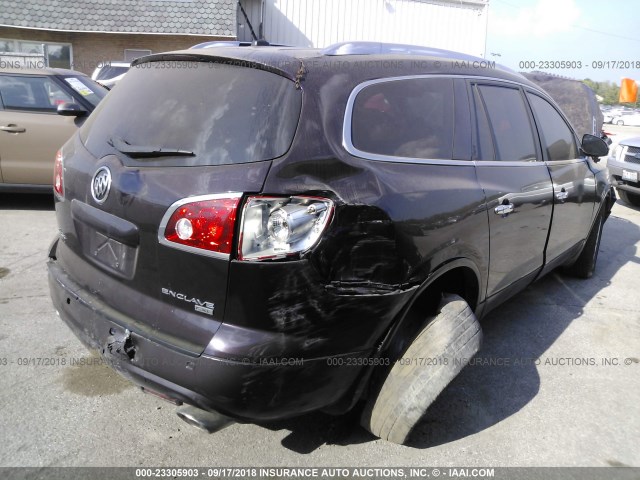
(202, 225)
(270, 228)
(280, 227)
(58, 175)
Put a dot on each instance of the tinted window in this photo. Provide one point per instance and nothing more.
(484, 142)
(405, 118)
(557, 138)
(223, 113)
(512, 134)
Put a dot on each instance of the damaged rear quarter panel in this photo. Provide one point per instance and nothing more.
(394, 225)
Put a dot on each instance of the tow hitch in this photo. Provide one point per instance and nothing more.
(119, 344)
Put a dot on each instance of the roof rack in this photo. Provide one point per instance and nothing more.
(378, 48)
(233, 43)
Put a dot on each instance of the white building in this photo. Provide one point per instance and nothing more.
(459, 25)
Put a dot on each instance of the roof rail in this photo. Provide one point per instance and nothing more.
(378, 48)
(222, 43)
(235, 43)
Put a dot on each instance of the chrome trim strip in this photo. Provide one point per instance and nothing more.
(347, 141)
(497, 163)
(174, 206)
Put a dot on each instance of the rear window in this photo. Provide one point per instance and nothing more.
(224, 114)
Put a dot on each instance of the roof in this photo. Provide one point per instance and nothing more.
(42, 71)
(197, 17)
(371, 59)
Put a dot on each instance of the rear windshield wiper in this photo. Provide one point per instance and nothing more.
(146, 151)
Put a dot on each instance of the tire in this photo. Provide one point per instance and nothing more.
(453, 335)
(629, 198)
(620, 122)
(585, 265)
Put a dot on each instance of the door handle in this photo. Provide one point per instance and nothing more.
(504, 209)
(562, 195)
(12, 129)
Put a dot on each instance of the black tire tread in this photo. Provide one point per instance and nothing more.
(585, 265)
(629, 198)
(410, 388)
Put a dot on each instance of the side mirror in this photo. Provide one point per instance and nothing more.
(594, 146)
(71, 110)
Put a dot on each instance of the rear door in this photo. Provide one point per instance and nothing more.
(516, 183)
(574, 185)
(30, 129)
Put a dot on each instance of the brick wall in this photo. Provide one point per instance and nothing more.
(89, 49)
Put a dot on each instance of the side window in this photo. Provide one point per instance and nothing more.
(31, 93)
(405, 118)
(557, 138)
(510, 125)
(484, 148)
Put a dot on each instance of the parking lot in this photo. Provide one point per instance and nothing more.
(557, 382)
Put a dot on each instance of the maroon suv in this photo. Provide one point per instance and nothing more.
(260, 232)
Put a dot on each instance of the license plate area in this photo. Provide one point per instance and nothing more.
(108, 253)
(630, 176)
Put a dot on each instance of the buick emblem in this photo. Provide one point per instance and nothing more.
(100, 184)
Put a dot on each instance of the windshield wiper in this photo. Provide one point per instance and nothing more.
(146, 151)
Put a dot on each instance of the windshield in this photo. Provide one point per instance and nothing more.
(220, 114)
(87, 88)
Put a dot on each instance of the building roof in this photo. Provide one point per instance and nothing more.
(197, 17)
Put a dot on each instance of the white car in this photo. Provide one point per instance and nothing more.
(109, 73)
(632, 120)
(624, 167)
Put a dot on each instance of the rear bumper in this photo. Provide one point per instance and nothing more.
(252, 388)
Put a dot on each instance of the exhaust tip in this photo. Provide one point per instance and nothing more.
(209, 422)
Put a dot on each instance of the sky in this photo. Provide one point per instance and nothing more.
(599, 39)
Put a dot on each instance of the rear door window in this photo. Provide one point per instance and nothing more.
(510, 124)
(411, 118)
(224, 114)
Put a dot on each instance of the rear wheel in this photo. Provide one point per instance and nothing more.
(620, 122)
(629, 198)
(585, 265)
(426, 367)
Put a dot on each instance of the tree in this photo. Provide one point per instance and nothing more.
(609, 91)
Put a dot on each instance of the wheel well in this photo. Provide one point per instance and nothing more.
(460, 280)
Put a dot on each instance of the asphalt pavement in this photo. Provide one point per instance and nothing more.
(557, 382)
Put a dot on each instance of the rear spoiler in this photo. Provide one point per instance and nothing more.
(273, 62)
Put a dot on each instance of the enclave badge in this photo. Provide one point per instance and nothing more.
(101, 184)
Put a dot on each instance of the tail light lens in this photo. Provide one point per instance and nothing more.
(203, 225)
(271, 227)
(280, 227)
(58, 175)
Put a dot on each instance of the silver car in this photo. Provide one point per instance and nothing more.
(624, 168)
